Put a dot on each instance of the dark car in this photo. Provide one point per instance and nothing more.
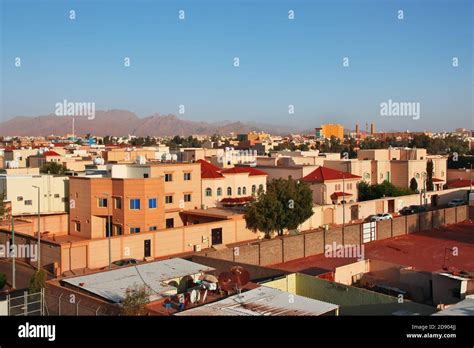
(412, 209)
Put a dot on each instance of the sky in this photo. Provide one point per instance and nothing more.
(283, 62)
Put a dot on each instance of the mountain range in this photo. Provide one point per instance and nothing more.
(124, 122)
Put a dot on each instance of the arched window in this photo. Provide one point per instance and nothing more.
(244, 190)
(208, 192)
(229, 191)
(219, 191)
(260, 186)
(254, 188)
(239, 191)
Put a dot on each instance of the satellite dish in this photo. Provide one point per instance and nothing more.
(227, 281)
(194, 297)
(241, 275)
(209, 278)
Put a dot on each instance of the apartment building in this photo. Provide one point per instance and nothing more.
(20, 191)
(231, 186)
(18, 158)
(181, 188)
(331, 186)
(397, 166)
(131, 205)
(330, 130)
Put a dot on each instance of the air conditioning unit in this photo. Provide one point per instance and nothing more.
(197, 247)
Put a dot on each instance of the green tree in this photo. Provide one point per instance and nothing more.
(53, 168)
(367, 192)
(413, 185)
(3, 280)
(429, 176)
(135, 300)
(285, 205)
(38, 281)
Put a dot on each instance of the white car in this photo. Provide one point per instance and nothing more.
(456, 202)
(381, 217)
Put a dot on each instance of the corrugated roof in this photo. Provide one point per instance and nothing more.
(113, 284)
(263, 301)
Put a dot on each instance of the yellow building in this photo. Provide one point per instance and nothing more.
(329, 130)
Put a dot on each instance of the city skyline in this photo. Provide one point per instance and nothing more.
(283, 62)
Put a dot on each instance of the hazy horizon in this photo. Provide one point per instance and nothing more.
(283, 62)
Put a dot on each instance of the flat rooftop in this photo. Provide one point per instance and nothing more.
(423, 251)
(112, 285)
(262, 301)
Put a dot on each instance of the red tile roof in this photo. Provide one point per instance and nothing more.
(51, 153)
(321, 174)
(340, 194)
(459, 183)
(437, 180)
(209, 171)
(239, 170)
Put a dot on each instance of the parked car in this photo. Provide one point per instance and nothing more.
(456, 202)
(412, 209)
(381, 217)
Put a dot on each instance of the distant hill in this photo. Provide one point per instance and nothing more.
(123, 122)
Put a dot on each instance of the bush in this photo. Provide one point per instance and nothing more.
(3, 280)
(38, 281)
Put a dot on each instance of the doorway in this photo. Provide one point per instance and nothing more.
(216, 236)
(147, 248)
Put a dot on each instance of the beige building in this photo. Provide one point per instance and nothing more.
(18, 158)
(19, 191)
(331, 186)
(229, 187)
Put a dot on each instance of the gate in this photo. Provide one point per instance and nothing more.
(26, 304)
(369, 232)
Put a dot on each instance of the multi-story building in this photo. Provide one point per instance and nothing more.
(22, 193)
(231, 186)
(330, 130)
(331, 186)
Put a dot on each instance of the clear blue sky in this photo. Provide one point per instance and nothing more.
(283, 62)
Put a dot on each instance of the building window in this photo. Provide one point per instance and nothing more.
(102, 202)
(169, 199)
(28, 202)
(254, 188)
(187, 197)
(118, 203)
(244, 190)
(337, 187)
(19, 198)
(168, 177)
(442, 174)
(219, 191)
(152, 228)
(76, 195)
(187, 176)
(134, 230)
(134, 204)
(239, 191)
(77, 226)
(56, 195)
(260, 187)
(229, 191)
(152, 203)
(170, 223)
(349, 186)
(417, 175)
(118, 230)
(208, 192)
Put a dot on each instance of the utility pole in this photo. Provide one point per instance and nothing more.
(39, 227)
(14, 255)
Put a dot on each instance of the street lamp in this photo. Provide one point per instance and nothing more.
(39, 229)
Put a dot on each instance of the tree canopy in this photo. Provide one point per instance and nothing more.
(284, 205)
